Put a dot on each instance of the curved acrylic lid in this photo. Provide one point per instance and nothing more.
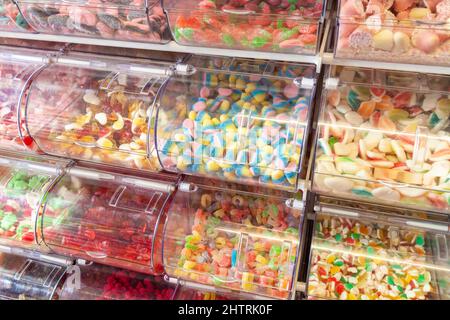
(363, 256)
(17, 68)
(22, 278)
(304, 9)
(108, 218)
(232, 239)
(99, 282)
(23, 186)
(96, 110)
(385, 137)
(237, 120)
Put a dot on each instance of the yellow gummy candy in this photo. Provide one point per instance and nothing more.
(189, 265)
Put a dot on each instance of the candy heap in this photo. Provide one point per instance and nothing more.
(108, 123)
(112, 224)
(124, 19)
(385, 145)
(237, 127)
(241, 242)
(354, 260)
(10, 17)
(104, 283)
(414, 31)
(270, 25)
(18, 200)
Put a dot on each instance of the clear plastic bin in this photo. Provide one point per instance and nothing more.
(17, 69)
(238, 120)
(97, 109)
(235, 239)
(375, 257)
(278, 26)
(11, 19)
(133, 20)
(394, 31)
(108, 218)
(383, 136)
(98, 282)
(22, 278)
(23, 186)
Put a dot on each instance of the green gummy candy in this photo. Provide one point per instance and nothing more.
(275, 251)
(21, 22)
(228, 39)
(259, 42)
(362, 192)
(8, 221)
(20, 185)
(420, 240)
(36, 182)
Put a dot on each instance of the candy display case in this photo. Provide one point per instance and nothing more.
(11, 19)
(238, 120)
(363, 256)
(17, 69)
(97, 110)
(245, 241)
(22, 278)
(99, 282)
(383, 137)
(108, 218)
(23, 187)
(404, 31)
(135, 20)
(277, 26)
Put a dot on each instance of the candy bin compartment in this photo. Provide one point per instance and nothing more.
(17, 69)
(22, 278)
(107, 218)
(361, 256)
(97, 110)
(11, 19)
(276, 26)
(383, 137)
(23, 186)
(99, 282)
(221, 236)
(237, 120)
(394, 31)
(132, 20)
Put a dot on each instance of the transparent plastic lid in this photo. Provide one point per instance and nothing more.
(232, 239)
(137, 20)
(99, 282)
(17, 68)
(370, 258)
(108, 218)
(27, 279)
(97, 110)
(303, 8)
(385, 137)
(23, 186)
(237, 120)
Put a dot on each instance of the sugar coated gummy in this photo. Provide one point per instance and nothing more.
(387, 145)
(238, 127)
